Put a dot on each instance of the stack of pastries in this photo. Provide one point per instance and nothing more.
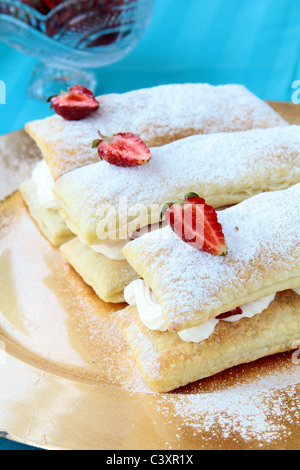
(191, 313)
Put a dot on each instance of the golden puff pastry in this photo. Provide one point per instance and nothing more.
(167, 362)
(159, 115)
(192, 286)
(49, 221)
(102, 201)
(107, 277)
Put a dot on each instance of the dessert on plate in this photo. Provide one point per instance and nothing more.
(206, 290)
(233, 298)
(38, 195)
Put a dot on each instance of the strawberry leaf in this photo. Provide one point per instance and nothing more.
(187, 196)
(95, 143)
(50, 98)
(165, 207)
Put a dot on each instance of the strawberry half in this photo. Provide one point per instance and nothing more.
(76, 104)
(123, 149)
(196, 223)
(236, 311)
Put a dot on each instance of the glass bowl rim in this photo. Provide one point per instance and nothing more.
(45, 17)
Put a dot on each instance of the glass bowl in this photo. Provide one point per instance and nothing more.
(72, 35)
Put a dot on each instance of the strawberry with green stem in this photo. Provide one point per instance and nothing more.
(123, 149)
(196, 223)
(75, 104)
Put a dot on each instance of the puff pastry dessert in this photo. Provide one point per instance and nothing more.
(103, 201)
(107, 277)
(104, 268)
(159, 115)
(166, 362)
(176, 325)
(38, 196)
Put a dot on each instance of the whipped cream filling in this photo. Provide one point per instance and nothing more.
(139, 294)
(111, 249)
(147, 229)
(197, 334)
(42, 178)
(252, 308)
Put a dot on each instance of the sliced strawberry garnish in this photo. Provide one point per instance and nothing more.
(123, 149)
(231, 313)
(196, 223)
(76, 104)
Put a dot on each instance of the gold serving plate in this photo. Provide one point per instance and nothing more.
(67, 379)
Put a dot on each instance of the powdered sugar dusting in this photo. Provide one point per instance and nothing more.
(160, 110)
(223, 168)
(255, 403)
(158, 115)
(262, 236)
(19, 155)
(257, 413)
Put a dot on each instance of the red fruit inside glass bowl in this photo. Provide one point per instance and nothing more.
(38, 5)
(85, 23)
(45, 6)
(104, 40)
(42, 6)
(52, 3)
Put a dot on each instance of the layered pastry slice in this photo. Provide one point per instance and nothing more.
(103, 266)
(105, 205)
(39, 198)
(106, 270)
(158, 115)
(193, 313)
(108, 277)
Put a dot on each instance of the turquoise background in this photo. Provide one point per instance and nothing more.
(253, 42)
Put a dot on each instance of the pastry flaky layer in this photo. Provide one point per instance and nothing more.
(167, 362)
(159, 115)
(107, 277)
(192, 286)
(106, 201)
(48, 220)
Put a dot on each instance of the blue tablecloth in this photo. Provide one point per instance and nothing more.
(6, 444)
(253, 42)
